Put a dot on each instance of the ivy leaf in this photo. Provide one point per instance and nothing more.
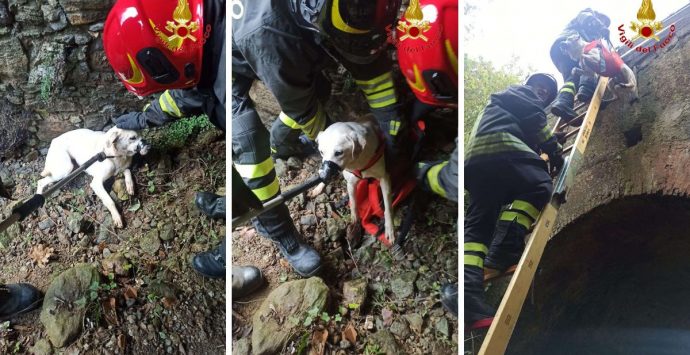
(325, 317)
(135, 207)
(353, 305)
(308, 321)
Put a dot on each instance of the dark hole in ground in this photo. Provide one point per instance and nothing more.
(614, 282)
(633, 136)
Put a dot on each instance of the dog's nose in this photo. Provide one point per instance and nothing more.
(329, 170)
(143, 147)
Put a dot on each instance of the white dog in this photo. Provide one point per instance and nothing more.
(81, 145)
(358, 149)
(596, 60)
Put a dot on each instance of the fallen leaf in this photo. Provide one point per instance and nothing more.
(109, 311)
(41, 255)
(169, 302)
(318, 342)
(130, 295)
(350, 334)
(387, 315)
(121, 341)
(135, 207)
(284, 263)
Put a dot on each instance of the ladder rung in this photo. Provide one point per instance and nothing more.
(572, 132)
(567, 149)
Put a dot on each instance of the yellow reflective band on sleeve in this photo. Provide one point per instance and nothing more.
(452, 57)
(474, 260)
(394, 128)
(565, 89)
(525, 207)
(146, 107)
(168, 105)
(253, 171)
(569, 84)
(380, 103)
(273, 150)
(544, 134)
(382, 94)
(432, 177)
(315, 125)
(476, 247)
(515, 216)
(267, 192)
(375, 81)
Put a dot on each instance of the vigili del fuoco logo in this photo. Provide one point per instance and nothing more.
(646, 27)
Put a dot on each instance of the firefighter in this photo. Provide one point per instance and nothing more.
(286, 45)
(590, 25)
(432, 74)
(176, 47)
(503, 167)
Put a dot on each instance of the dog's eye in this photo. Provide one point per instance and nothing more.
(338, 153)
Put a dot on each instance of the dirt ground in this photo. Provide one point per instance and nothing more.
(430, 255)
(161, 306)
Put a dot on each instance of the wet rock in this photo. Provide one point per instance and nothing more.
(271, 327)
(117, 264)
(162, 289)
(71, 287)
(45, 224)
(415, 321)
(120, 189)
(105, 229)
(355, 293)
(441, 326)
(280, 167)
(242, 347)
(344, 344)
(400, 329)
(386, 342)
(294, 163)
(76, 223)
(42, 347)
(308, 220)
(402, 285)
(167, 232)
(150, 243)
(335, 228)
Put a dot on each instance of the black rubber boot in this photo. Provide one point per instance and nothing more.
(211, 263)
(506, 247)
(449, 298)
(16, 299)
(245, 280)
(211, 204)
(586, 89)
(478, 314)
(301, 256)
(563, 106)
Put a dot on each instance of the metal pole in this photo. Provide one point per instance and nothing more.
(25, 208)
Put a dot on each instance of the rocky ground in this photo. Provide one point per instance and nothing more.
(131, 290)
(364, 300)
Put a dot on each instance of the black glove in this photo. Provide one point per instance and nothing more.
(133, 121)
(556, 162)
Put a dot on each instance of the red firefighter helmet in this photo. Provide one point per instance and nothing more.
(155, 45)
(427, 42)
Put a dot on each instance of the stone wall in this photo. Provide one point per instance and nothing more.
(54, 75)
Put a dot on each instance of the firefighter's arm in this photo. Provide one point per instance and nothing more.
(169, 106)
(548, 143)
(375, 80)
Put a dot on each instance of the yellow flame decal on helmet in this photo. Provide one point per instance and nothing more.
(181, 27)
(418, 83)
(339, 23)
(452, 57)
(137, 77)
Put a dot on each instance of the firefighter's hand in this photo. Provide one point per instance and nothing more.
(556, 162)
(133, 121)
(560, 137)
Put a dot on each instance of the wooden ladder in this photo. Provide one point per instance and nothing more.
(496, 340)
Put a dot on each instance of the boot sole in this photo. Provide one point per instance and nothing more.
(561, 114)
(309, 274)
(481, 324)
(28, 309)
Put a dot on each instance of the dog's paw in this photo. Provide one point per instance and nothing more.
(390, 235)
(130, 189)
(117, 222)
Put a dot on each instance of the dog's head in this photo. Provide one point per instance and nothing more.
(573, 47)
(124, 142)
(340, 145)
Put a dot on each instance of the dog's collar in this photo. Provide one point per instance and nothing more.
(375, 158)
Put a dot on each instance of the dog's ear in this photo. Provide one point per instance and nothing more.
(358, 137)
(112, 138)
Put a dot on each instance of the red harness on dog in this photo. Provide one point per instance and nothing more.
(368, 192)
(375, 158)
(610, 63)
